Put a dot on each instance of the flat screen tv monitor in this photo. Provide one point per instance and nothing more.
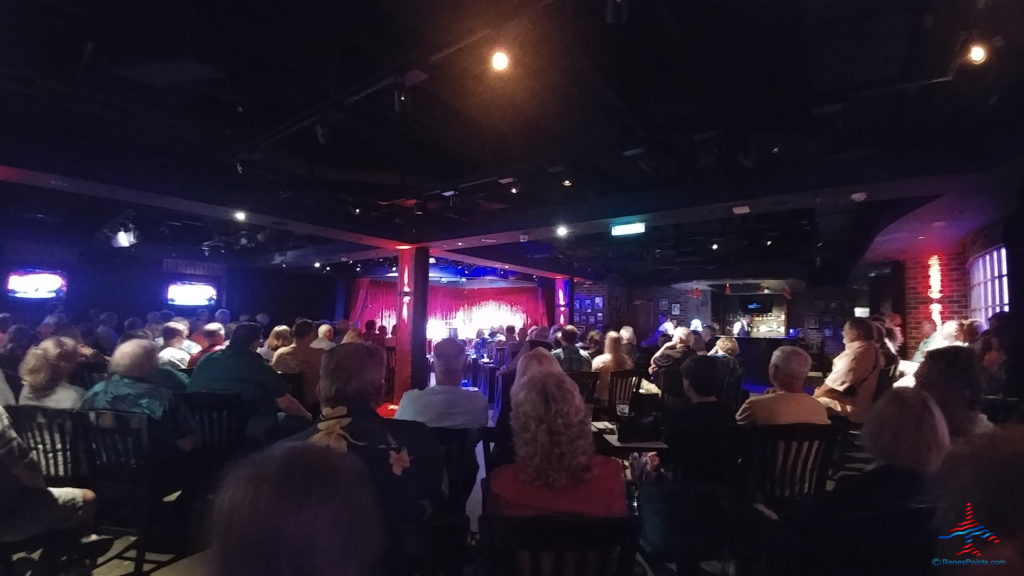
(191, 294)
(34, 284)
(756, 305)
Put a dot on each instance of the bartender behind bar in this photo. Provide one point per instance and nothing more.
(742, 326)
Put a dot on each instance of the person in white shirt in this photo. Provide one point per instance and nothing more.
(172, 354)
(742, 326)
(786, 402)
(446, 404)
(325, 337)
(667, 326)
(45, 370)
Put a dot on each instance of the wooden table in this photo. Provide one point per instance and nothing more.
(610, 440)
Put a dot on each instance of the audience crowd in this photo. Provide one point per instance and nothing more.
(331, 483)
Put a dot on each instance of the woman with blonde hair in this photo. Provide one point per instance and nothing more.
(613, 359)
(44, 372)
(279, 337)
(556, 471)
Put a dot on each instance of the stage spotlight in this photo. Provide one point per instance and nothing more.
(714, 246)
(499, 60)
(562, 231)
(514, 190)
(977, 53)
(316, 264)
(240, 216)
(566, 183)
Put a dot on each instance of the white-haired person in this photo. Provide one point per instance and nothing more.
(445, 404)
(907, 433)
(130, 388)
(849, 389)
(44, 372)
(556, 472)
(667, 363)
(629, 342)
(324, 337)
(786, 402)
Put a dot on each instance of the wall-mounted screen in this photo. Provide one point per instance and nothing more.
(756, 304)
(191, 294)
(33, 284)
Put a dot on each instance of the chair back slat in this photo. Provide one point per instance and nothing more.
(458, 455)
(622, 385)
(587, 384)
(50, 434)
(789, 461)
(116, 446)
(500, 355)
(220, 418)
(559, 546)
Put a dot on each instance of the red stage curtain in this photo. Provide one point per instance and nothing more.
(457, 307)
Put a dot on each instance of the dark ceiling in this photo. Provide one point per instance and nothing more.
(385, 119)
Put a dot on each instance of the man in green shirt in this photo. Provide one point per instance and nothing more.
(239, 369)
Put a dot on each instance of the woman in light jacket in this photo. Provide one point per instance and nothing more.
(850, 388)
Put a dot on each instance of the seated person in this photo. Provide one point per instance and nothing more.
(294, 510)
(165, 377)
(130, 388)
(694, 432)
(28, 508)
(238, 369)
(667, 363)
(556, 472)
(325, 337)
(212, 339)
(173, 354)
(301, 358)
(569, 357)
(907, 433)
(849, 389)
(611, 360)
(952, 376)
(44, 373)
(786, 402)
(402, 456)
(446, 404)
(280, 337)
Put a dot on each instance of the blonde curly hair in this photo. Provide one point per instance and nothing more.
(47, 365)
(550, 429)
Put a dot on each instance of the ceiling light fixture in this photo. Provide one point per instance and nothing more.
(714, 246)
(977, 53)
(859, 196)
(738, 210)
(768, 243)
(562, 231)
(499, 60)
(240, 216)
(566, 182)
(514, 190)
(316, 264)
(402, 247)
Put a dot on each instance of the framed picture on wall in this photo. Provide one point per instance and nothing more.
(591, 318)
(588, 305)
(677, 309)
(827, 331)
(575, 317)
(576, 304)
(600, 316)
(812, 322)
(663, 305)
(598, 302)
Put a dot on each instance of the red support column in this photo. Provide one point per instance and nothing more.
(411, 368)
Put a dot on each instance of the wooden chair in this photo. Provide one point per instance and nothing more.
(791, 461)
(53, 545)
(458, 456)
(500, 355)
(389, 373)
(51, 435)
(587, 383)
(294, 383)
(118, 455)
(489, 437)
(558, 546)
(220, 420)
(622, 386)
(886, 378)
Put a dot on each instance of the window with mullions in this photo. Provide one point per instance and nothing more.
(989, 287)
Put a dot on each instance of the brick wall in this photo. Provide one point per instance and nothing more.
(955, 294)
